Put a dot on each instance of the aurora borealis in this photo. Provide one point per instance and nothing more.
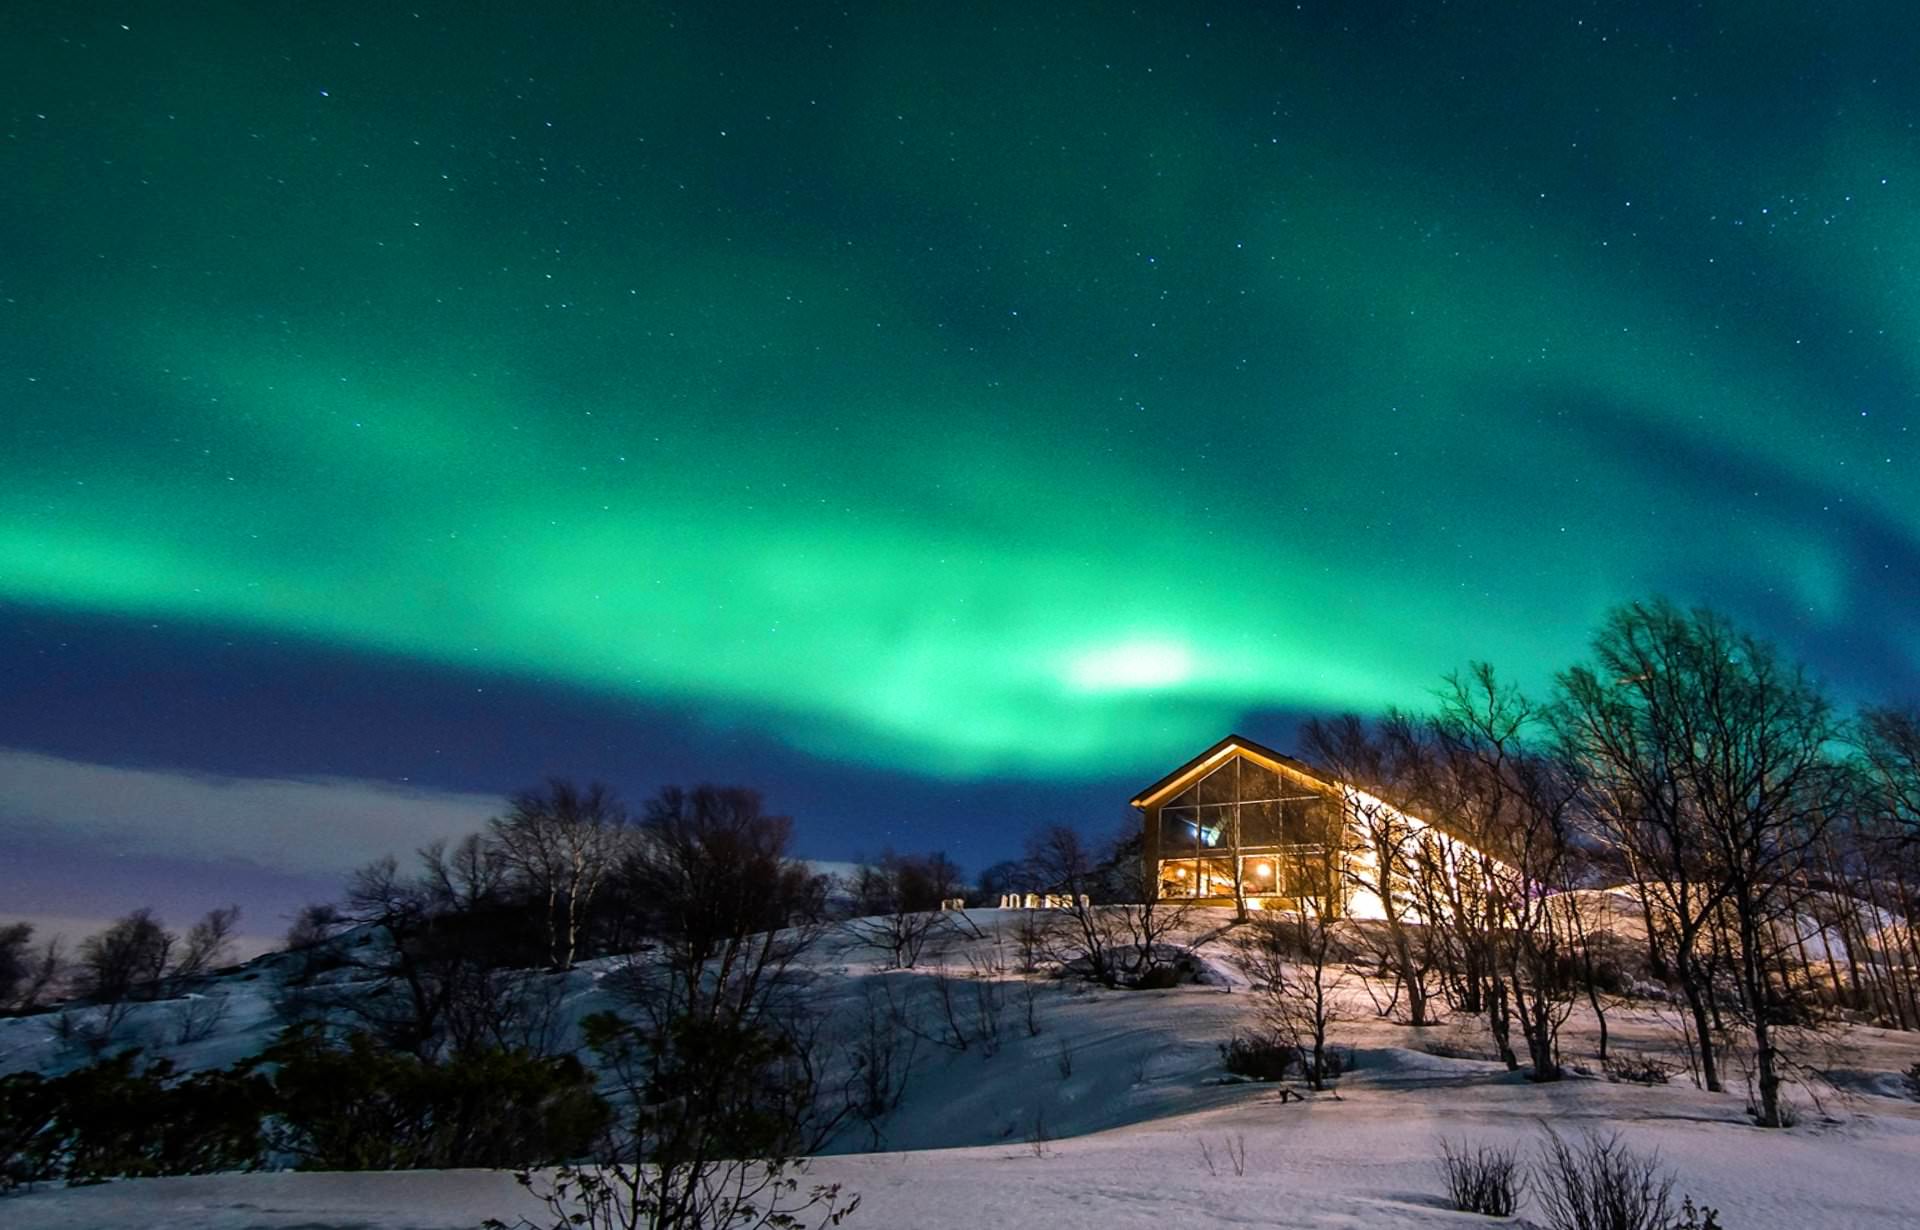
(968, 397)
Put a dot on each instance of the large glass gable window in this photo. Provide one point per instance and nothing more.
(1272, 824)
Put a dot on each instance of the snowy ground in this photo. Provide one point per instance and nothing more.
(1111, 1134)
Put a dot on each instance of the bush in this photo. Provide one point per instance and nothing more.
(120, 1118)
(1482, 1179)
(26, 1115)
(331, 1105)
(1263, 1057)
(1638, 1070)
(1600, 1184)
(1161, 978)
(352, 1105)
(1699, 1217)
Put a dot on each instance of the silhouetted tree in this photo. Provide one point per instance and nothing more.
(716, 1050)
(208, 943)
(561, 841)
(16, 961)
(1708, 758)
(1384, 841)
(128, 960)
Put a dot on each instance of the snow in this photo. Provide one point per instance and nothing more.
(1015, 1139)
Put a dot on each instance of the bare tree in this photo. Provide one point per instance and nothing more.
(1297, 968)
(726, 907)
(1062, 862)
(1384, 841)
(1889, 741)
(560, 841)
(425, 953)
(16, 961)
(997, 881)
(1125, 942)
(128, 960)
(1874, 862)
(718, 1052)
(46, 971)
(1517, 806)
(880, 1057)
(471, 876)
(1457, 778)
(209, 942)
(897, 902)
(314, 924)
(1708, 758)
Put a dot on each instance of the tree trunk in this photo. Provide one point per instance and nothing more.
(1753, 970)
(1689, 986)
(1500, 1022)
(553, 935)
(1409, 976)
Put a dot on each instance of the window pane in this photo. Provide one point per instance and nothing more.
(1179, 831)
(1258, 781)
(1218, 786)
(1304, 874)
(1303, 821)
(1179, 878)
(1215, 827)
(1259, 824)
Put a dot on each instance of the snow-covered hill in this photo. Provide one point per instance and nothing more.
(1111, 1111)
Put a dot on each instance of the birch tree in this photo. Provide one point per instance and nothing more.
(561, 841)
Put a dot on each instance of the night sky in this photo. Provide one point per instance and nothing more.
(946, 418)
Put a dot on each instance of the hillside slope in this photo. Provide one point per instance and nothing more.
(1097, 1116)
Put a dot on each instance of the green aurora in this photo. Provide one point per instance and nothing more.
(1031, 390)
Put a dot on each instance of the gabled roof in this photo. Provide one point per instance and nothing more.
(1218, 754)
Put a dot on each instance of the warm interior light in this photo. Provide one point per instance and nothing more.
(1180, 873)
(1263, 870)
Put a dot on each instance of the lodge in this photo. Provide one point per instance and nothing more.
(1242, 822)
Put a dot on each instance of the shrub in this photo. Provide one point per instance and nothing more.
(120, 1118)
(1263, 1057)
(1161, 978)
(331, 1105)
(1600, 1184)
(1482, 1178)
(352, 1105)
(1698, 1217)
(26, 1115)
(1638, 1070)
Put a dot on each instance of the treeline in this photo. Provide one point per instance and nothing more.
(134, 960)
(1771, 844)
(423, 1024)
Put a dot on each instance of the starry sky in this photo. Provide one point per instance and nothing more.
(946, 418)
